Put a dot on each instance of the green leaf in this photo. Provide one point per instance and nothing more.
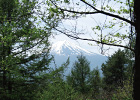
(117, 35)
(66, 1)
(98, 28)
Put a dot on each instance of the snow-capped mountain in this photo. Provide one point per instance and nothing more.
(64, 49)
(68, 48)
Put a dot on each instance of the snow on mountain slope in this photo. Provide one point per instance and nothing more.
(68, 48)
(63, 50)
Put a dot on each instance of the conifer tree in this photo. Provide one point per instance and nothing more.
(95, 82)
(114, 70)
(22, 42)
(80, 74)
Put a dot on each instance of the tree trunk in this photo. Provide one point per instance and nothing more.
(136, 84)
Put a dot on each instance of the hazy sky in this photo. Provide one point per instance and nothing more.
(84, 25)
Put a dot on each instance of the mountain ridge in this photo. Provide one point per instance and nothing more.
(62, 50)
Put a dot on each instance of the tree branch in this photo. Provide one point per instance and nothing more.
(78, 12)
(14, 54)
(109, 14)
(86, 39)
(95, 12)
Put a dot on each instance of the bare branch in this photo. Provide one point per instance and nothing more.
(86, 39)
(78, 12)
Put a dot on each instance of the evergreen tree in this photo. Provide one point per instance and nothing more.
(130, 70)
(80, 74)
(56, 88)
(21, 60)
(114, 70)
(95, 82)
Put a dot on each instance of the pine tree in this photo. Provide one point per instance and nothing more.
(114, 70)
(21, 60)
(95, 82)
(80, 74)
(56, 88)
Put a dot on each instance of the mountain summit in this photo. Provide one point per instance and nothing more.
(62, 50)
(68, 48)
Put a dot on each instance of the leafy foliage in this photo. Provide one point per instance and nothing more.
(124, 93)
